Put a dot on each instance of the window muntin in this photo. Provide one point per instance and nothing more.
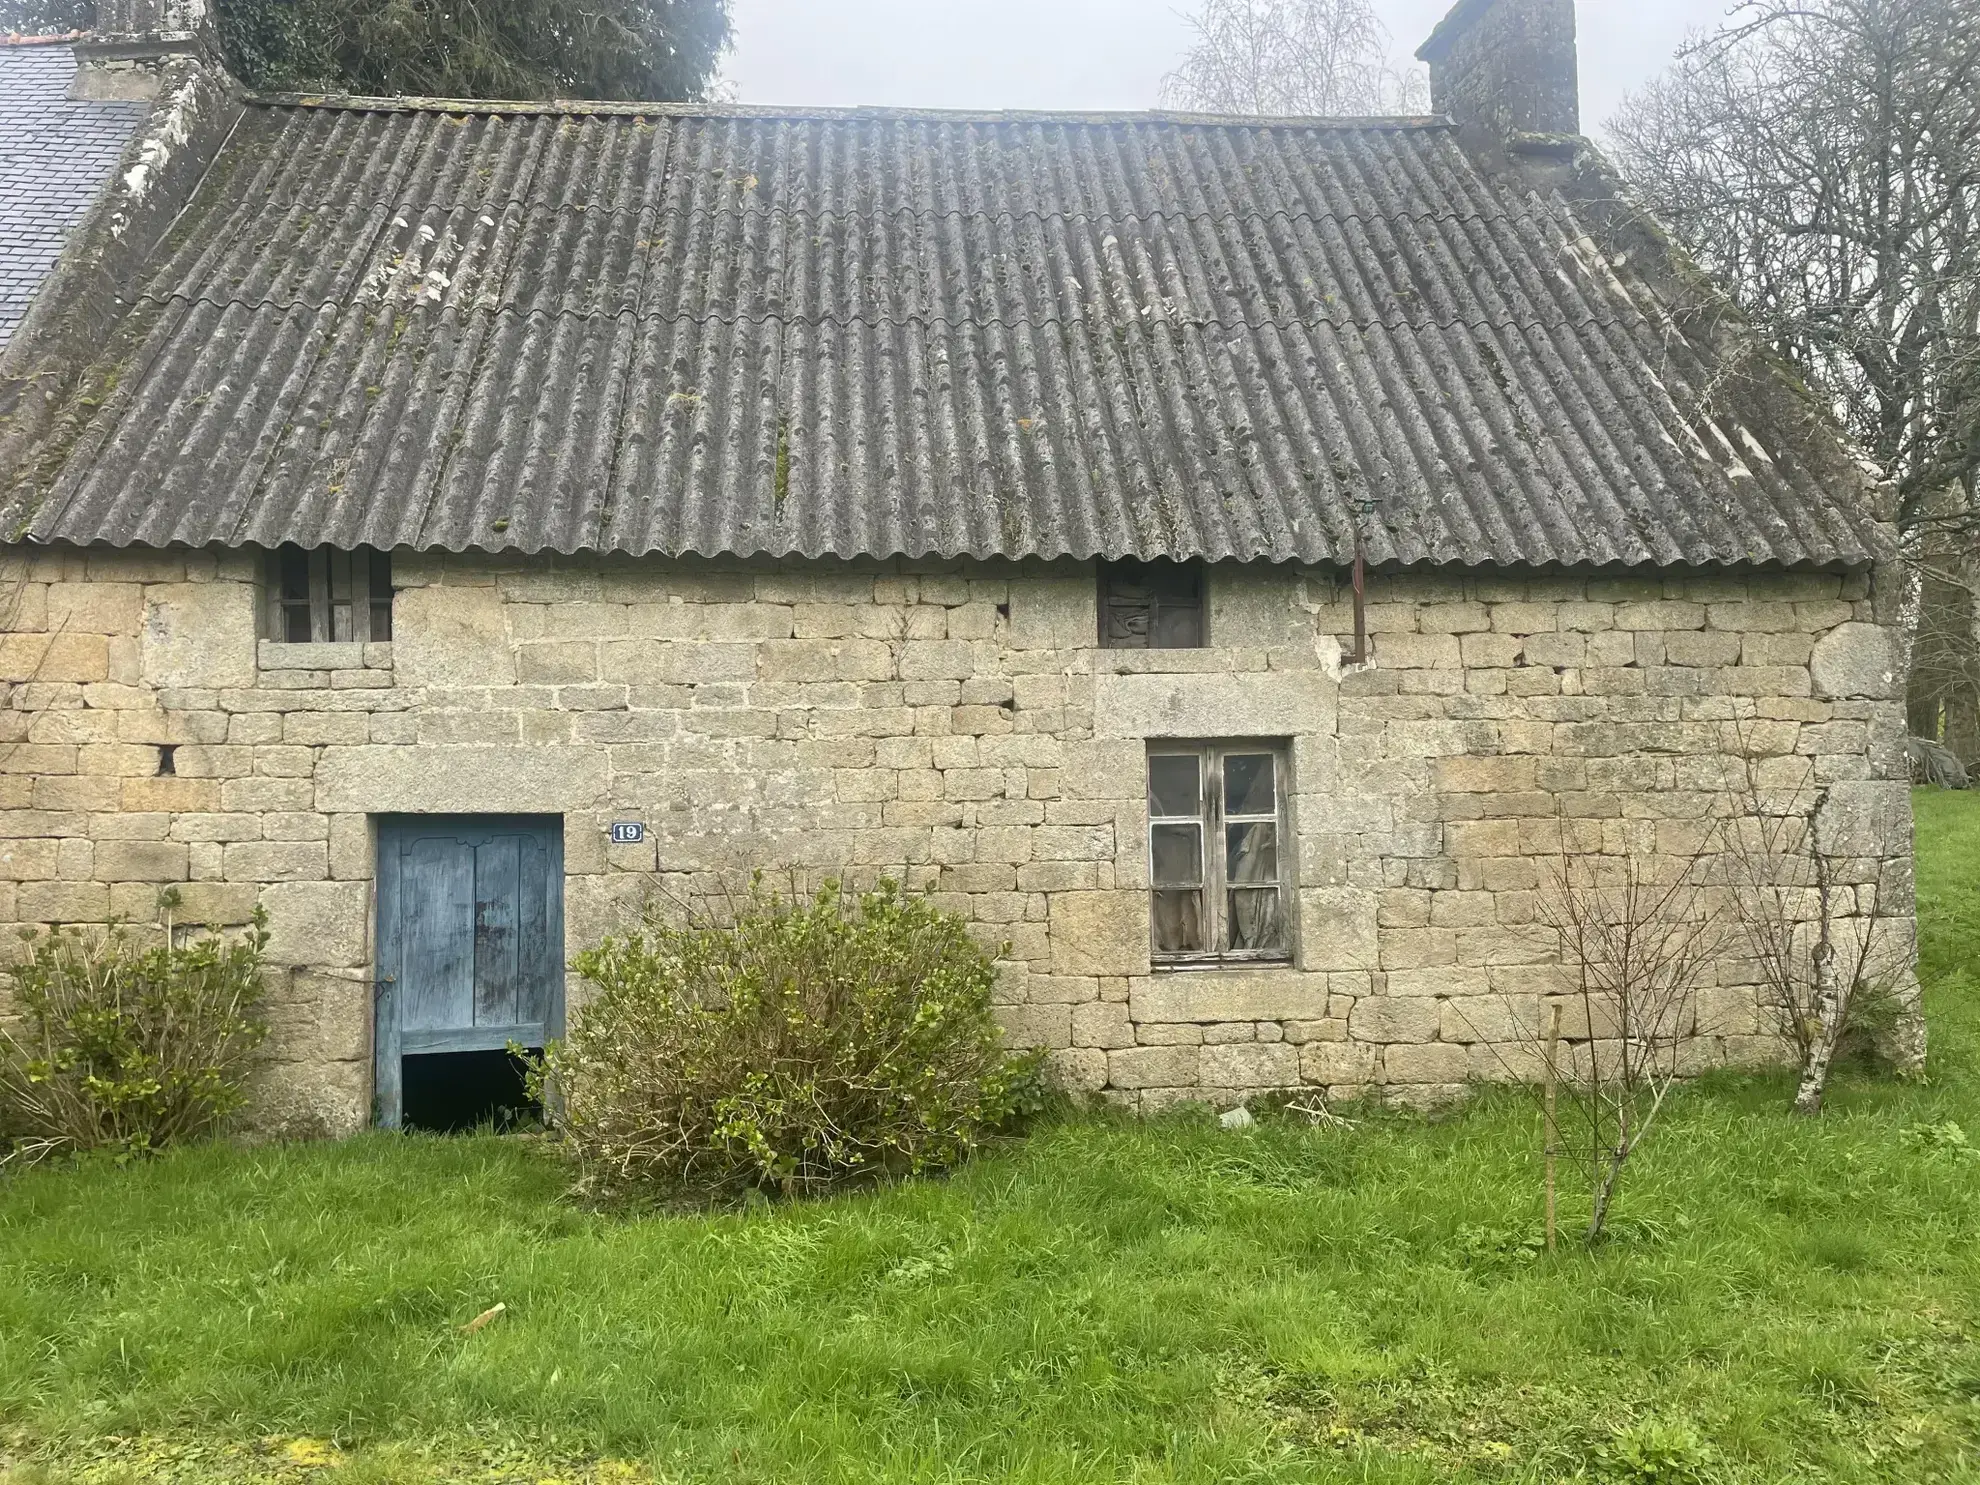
(1216, 857)
(328, 596)
(1152, 606)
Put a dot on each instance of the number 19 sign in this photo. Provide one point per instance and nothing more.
(628, 833)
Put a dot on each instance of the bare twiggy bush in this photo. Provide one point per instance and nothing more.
(1640, 937)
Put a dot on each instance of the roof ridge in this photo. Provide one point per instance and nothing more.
(52, 38)
(587, 108)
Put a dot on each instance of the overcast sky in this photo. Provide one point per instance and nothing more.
(1092, 54)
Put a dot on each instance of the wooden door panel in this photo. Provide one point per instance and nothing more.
(436, 924)
(540, 933)
(497, 913)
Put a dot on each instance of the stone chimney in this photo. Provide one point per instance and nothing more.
(124, 56)
(1505, 68)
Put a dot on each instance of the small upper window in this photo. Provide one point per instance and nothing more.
(1152, 606)
(1216, 852)
(327, 596)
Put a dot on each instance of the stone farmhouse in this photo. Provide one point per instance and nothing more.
(1229, 560)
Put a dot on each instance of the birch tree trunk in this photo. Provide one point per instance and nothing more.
(1831, 1016)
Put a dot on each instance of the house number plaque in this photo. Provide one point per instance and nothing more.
(628, 833)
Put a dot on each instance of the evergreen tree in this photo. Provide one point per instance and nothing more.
(649, 50)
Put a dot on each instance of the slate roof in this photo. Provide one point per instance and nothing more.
(661, 329)
(55, 154)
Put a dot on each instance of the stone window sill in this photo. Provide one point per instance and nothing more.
(1220, 963)
(276, 655)
(1217, 660)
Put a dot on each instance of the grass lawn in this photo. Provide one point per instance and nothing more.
(1786, 1301)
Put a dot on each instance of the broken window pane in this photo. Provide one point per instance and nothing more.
(381, 596)
(1128, 625)
(292, 579)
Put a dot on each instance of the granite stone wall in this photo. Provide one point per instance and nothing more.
(956, 725)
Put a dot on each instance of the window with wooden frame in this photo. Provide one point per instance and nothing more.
(328, 596)
(1217, 853)
(1153, 606)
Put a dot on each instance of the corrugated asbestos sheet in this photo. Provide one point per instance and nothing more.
(55, 155)
(878, 334)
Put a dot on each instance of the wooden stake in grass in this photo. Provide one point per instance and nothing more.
(1553, 1133)
(481, 1321)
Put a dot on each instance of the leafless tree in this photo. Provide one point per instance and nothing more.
(1640, 938)
(1290, 58)
(1943, 698)
(1822, 159)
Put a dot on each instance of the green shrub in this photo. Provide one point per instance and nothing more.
(795, 1045)
(113, 1044)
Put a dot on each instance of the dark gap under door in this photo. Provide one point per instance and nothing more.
(459, 1092)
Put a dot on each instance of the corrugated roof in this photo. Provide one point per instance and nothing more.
(55, 154)
(666, 330)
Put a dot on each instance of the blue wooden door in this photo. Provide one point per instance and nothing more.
(470, 939)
